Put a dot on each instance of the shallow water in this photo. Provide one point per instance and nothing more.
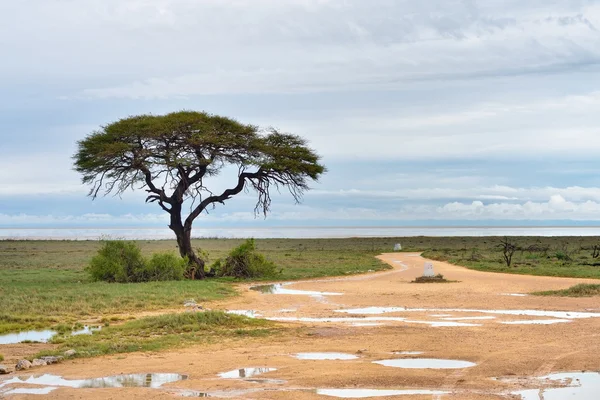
(408, 353)
(41, 391)
(87, 330)
(325, 356)
(425, 363)
(245, 313)
(41, 336)
(32, 336)
(537, 322)
(442, 324)
(361, 393)
(117, 381)
(245, 373)
(582, 386)
(279, 288)
(530, 313)
(336, 319)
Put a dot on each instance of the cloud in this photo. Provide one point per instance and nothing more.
(171, 48)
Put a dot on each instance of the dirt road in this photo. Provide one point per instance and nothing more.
(484, 319)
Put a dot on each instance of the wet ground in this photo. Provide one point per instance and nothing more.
(379, 336)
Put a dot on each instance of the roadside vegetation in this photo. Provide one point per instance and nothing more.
(161, 332)
(576, 257)
(581, 290)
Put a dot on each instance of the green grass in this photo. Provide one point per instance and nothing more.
(43, 283)
(162, 332)
(581, 290)
(543, 256)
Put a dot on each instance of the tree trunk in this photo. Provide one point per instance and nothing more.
(184, 242)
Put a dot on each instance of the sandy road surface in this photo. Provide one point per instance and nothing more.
(418, 317)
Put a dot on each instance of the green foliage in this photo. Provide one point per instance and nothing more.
(581, 290)
(1, 357)
(164, 267)
(245, 262)
(117, 261)
(160, 332)
(122, 261)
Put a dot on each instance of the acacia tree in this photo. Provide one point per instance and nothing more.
(171, 156)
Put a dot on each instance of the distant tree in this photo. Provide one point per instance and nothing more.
(508, 249)
(170, 156)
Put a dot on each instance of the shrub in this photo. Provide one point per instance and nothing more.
(245, 262)
(164, 267)
(122, 261)
(117, 261)
(1, 357)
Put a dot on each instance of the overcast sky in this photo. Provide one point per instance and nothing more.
(425, 112)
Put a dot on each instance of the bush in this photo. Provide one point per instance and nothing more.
(164, 267)
(245, 262)
(117, 261)
(122, 261)
(1, 357)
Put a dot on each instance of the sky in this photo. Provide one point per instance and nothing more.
(432, 112)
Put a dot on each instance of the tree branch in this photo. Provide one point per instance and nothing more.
(226, 195)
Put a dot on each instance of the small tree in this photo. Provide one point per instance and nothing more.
(508, 249)
(170, 156)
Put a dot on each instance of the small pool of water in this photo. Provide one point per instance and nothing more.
(31, 336)
(41, 336)
(336, 319)
(440, 324)
(425, 363)
(361, 393)
(408, 353)
(41, 391)
(530, 313)
(245, 373)
(279, 288)
(117, 381)
(325, 356)
(579, 386)
(536, 322)
(245, 313)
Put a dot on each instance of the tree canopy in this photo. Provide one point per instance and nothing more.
(171, 156)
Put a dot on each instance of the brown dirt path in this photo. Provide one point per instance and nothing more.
(498, 349)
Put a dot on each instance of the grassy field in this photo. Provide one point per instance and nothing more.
(43, 283)
(161, 332)
(552, 256)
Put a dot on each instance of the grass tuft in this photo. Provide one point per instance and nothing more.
(161, 332)
(581, 290)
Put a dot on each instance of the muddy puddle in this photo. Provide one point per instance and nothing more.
(52, 382)
(245, 313)
(325, 356)
(425, 363)
(536, 322)
(279, 288)
(42, 336)
(361, 393)
(579, 386)
(242, 373)
(372, 321)
(529, 313)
